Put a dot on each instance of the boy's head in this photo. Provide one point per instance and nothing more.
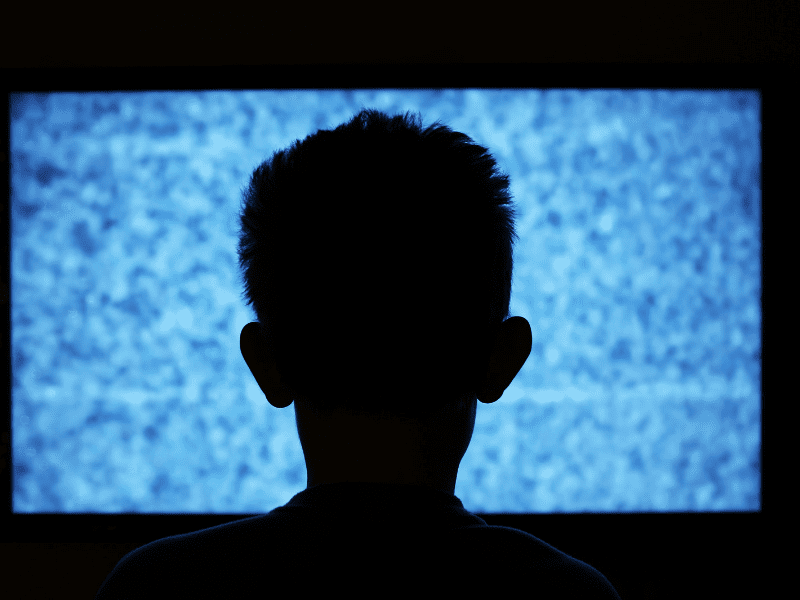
(378, 259)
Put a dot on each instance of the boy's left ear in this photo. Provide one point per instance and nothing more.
(263, 367)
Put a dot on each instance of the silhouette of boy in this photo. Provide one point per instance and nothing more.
(378, 258)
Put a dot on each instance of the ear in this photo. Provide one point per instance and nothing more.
(262, 365)
(510, 349)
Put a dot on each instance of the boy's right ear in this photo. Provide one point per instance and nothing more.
(511, 347)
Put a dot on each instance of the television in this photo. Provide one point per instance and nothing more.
(133, 415)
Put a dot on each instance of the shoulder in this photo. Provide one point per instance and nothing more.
(497, 557)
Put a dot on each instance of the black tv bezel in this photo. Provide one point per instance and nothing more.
(142, 528)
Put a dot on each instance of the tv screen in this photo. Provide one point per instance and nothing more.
(638, 267)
